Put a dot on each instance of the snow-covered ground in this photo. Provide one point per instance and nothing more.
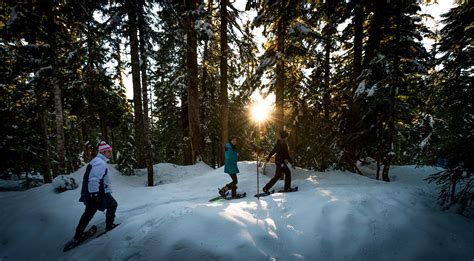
(334, 216)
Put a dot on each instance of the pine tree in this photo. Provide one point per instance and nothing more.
(223, 94)
(144, 33)
(393, 65)
(61, 52)
(168, 83)
(286, 28)
(191, 7)
(453, 103)
(132, 7)
(324, 81)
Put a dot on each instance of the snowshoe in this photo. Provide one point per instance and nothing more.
(265, 193)
(219, 197)
(76, 242)
(290, 190)
(107, 230)
(237, 196)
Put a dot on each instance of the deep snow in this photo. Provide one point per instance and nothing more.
(334, 216)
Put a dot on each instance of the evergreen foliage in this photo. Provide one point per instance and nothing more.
(452, 136)
(351, 79)
(66, 47)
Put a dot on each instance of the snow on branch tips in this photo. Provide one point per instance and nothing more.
(363, 89)
(204, 28)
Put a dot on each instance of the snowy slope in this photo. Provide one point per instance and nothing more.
(334, 216)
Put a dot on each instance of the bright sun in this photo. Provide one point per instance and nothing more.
(261, 108)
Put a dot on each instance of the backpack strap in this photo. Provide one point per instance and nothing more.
(85, 182)
(101, 183)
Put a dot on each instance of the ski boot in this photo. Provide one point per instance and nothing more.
(266, 191)
(223, 191)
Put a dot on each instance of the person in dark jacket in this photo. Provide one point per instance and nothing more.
(96, 191)
(282, 158)
(231, 156)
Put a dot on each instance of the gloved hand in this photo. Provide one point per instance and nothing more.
(94, 198)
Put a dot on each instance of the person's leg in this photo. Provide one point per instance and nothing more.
(278, 174)
(111, 208)
(287, 178)
(233, 185)
(229, 186)
(234, 181)
(86, 217)
(223, 190)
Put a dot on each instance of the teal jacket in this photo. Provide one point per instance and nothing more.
(231, 157)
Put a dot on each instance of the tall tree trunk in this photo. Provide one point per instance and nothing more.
(43, 113)
(86, 147)
(43, 117)
(188, 157)
(137, 90)
(215, 143)
(58, 103)
(390, 153)
(280, 70)
(372, 45)
(327, 32)
(205, 99)
(146, 120)
(351, 114)
(206, 90)
(104, 130)
(193, 91)
(293, 139)
(358, 36)
(58, 108)
(94, 86)
(119, 66)
(223, 95)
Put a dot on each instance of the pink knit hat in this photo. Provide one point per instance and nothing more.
(103, 146)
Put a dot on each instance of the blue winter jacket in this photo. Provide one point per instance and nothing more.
(231, 157)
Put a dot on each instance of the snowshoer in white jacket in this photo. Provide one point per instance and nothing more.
(96, 191)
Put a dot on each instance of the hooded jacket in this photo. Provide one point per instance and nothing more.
(231, 157)
(96, 179)
(282, 154)
(98, 172)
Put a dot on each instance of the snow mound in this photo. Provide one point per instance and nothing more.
(11, 185)
(64, 182)
(165, 173)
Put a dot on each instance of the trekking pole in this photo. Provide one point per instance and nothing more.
(257, 143)
(258, 186)
(259, 113)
